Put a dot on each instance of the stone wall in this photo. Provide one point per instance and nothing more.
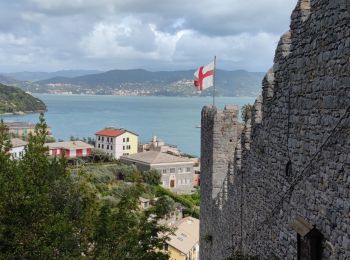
(292, 158)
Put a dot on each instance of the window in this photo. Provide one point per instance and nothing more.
(111, 147)
(179, 170)
(99, 138)
(310, 246)
(123, 147)
(103, 139)
(123, 140)
(172, 170)
(99, 146)
(127, 139)
(102, 146)
(164, 171)
(188, 169)
(107, 147)
(128, 147)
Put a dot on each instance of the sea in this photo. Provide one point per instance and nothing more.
(175, 120)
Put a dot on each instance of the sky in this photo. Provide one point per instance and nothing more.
(50, 35)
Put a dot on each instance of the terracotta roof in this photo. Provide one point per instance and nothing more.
(186, 235)
(111, 132)
(16, 142)
(154, 157)
(69, 145)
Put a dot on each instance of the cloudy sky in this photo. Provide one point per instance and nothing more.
(49, 35)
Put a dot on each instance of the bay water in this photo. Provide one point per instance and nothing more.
(173, 119)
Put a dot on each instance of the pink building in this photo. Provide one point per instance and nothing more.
(71, 149)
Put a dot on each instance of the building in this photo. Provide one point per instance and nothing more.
(71, 149)
(159, 145)
(184, 244)
(177, 172)
(145, 203)
(22, 129)
(116, 142)
(17, 150)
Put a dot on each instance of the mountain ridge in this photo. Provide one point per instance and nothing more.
(228, 83)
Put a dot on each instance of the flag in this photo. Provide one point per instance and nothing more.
(204, 77)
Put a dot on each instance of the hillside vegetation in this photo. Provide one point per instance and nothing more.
(14, 100)
(49, 211)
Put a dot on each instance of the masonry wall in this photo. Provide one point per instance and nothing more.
(302, 119)
(219, 138)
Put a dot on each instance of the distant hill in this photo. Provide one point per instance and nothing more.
(143, 82)
(15, 100)
(36, 76)
(24, 85)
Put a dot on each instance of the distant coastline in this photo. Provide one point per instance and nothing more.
(161, 96)
(22, 113)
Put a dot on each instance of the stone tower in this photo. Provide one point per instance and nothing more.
(219, 135)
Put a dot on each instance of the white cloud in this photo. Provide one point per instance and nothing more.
(152, 34)
(130, 39)
(10, 39)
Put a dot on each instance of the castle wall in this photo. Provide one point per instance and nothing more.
(220, 131)
(292, 158)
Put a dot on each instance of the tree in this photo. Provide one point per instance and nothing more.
(47, 212)
(152, 177)
(44, 213)
(125, 231)
(164, 206)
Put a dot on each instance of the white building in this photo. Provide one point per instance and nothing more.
(159, 145)
(177, 172)
(116, 142)
(18, 148)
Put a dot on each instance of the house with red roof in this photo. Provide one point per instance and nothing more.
(71, 149)
(117, 141)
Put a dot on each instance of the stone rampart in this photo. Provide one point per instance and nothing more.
(292, 159)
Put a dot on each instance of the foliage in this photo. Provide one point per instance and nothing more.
(99, 155)
(46, 212)
(88, 140)
(194, 198)
(5, 143)
(246, 112)
(13, 99)
(152, 177)
(190, 208)
(164, 205)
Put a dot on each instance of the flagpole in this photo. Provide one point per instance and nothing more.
(214, 80)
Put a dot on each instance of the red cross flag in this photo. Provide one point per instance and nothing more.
(204, 77)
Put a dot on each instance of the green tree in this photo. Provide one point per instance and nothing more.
(164, 206)
(47, 212)
(152, 177)
(127, 232)
(44, 213)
